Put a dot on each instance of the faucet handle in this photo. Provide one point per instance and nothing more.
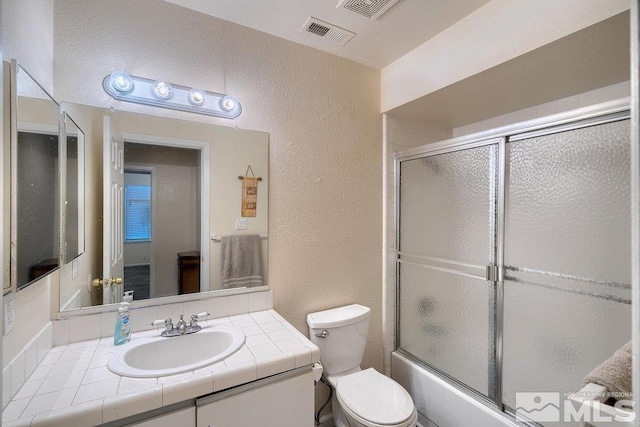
(196, 317)
(167, 323)
(194, 321)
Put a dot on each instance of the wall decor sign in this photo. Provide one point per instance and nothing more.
(249, 193)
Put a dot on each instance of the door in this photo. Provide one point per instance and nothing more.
(113, 209)
(567, 292)
(283, 402)
(447, 223)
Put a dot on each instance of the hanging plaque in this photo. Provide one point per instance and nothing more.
(249, 193)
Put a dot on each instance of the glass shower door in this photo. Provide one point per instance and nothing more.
(447, 238)
(567, 290)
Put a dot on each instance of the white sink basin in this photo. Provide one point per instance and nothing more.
(158, 356)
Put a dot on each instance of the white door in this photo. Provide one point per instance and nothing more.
(113, 212)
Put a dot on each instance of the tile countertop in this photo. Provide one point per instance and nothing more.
(73, 386)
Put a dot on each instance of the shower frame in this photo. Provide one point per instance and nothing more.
(576, 119)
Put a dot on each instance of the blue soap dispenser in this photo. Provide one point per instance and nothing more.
(122, 333)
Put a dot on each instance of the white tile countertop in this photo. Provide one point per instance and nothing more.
(73, 386)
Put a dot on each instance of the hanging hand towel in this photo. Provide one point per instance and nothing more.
(241, 261)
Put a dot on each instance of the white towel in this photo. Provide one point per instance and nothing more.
(241, 261)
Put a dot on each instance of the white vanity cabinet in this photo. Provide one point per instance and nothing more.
(180, 418)
(276, 403)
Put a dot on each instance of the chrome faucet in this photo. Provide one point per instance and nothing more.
(181, 327)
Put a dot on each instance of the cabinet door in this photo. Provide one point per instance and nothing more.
(285, 403)
(180, 418)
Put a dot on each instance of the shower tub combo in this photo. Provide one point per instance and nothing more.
(513, 267)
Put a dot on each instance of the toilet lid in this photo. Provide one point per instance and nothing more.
(375, 397)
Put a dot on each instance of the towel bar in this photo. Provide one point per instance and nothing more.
(217, 237)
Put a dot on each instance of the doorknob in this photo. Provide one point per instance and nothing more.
(107, 282)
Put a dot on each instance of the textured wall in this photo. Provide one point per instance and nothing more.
(322, 114)
(27, 34)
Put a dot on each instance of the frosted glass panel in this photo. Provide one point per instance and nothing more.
(568, 203)
(445, 322)
(447, 238)
(567, 242)
(448, 207)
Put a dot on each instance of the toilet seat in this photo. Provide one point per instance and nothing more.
(375, 400)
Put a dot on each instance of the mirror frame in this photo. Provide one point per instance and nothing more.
(13, 107)
(80, 137)
(137, 135)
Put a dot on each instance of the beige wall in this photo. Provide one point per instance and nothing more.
(136, 253)
(497, 32)
(603, 94)
(321, 112)
(229, 162)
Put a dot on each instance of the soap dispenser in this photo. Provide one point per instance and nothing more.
(122, 333)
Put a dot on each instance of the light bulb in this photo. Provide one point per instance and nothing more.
(196, 97)
(162, 90)
(228, 103)
(121, 82)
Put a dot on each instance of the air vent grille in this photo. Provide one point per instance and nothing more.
(318, 29)
(370, 8)
(328, 31)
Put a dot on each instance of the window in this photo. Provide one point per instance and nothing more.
(137, 208)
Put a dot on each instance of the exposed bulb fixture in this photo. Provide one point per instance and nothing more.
(124, 87)
(196, 97)
(121, 82)
(162, 90)
(228, 103)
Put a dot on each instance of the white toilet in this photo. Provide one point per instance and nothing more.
(361, 398)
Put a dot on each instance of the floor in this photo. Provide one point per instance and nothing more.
(136, 279)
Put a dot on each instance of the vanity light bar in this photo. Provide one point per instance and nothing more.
(124, 87)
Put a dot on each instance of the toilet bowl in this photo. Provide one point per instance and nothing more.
(361, 398)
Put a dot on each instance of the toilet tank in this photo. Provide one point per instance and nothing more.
(345, 339)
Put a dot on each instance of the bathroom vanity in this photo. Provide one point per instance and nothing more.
(269, 382)
(281, 400)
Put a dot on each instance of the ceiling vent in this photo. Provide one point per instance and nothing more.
(370, 8)
(328, 31)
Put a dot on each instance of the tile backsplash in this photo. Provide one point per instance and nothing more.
(100, 325)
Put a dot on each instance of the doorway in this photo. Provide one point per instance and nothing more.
(162, 215)
(138, 199)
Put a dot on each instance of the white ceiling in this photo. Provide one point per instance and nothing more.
(377, 43)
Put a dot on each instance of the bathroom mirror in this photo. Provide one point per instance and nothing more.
(181, 195)
(73, 208)
(34, 180)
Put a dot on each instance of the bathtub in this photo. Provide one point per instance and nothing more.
(439, 403)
